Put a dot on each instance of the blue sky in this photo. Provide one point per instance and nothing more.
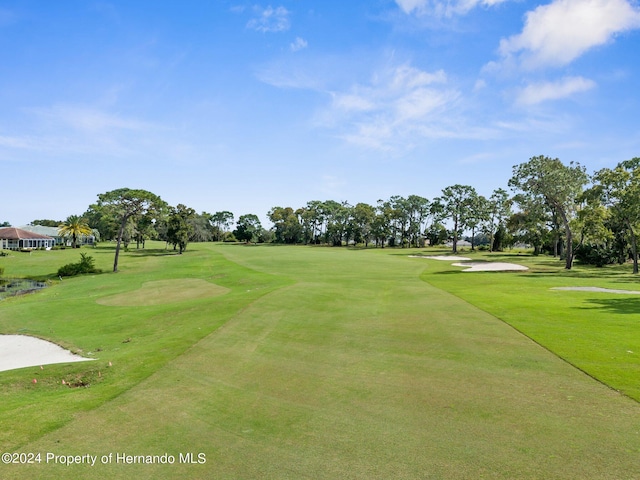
(243, 106)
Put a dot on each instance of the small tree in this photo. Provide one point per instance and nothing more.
(122, 205)
(74, 227)
(86, 265)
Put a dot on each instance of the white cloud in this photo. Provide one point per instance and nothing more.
(558, 33)
(539, 92)
(443, 8)
(81, 130)
(270, 19)
(298, 44)
(88, 119)
(16, 142)
(398, 103)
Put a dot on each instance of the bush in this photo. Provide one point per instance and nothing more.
(230, 237)
(597, 255)
(86, 265)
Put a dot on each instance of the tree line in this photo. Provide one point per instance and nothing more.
(553, 207)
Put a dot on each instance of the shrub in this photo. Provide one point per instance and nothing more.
(86, 265)
(597, 255)
(230, 237)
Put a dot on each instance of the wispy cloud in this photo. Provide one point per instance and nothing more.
(81, 130)
(88, 119)
(332, 185)
(399, 103)
(556, 34)
(539, 92)
(442, 8)
(270, 19)
(298, 44)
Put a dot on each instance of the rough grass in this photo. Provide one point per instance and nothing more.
(318, 363)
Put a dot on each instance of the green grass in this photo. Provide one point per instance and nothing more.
(316, 363)
(597, 332)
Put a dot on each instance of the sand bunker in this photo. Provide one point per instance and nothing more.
(598, 289)
(490, 267)
(161, 292)
(19, 351)
(476, 266)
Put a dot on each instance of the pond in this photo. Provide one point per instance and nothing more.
(18, 286)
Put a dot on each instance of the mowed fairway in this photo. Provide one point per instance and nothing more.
(305, 362)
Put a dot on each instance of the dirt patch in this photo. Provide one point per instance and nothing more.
(161, 292)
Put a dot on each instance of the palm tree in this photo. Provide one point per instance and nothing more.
(73, 227)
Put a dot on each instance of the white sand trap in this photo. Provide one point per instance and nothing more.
(18, 351)
(490, 267)
(598, 289)
(448, 258)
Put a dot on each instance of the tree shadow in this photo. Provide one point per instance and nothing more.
(613, 276)
(628, 306)
(151, 252)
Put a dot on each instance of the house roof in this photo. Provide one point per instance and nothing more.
(13, 233)
(42, 230)
(48, 231)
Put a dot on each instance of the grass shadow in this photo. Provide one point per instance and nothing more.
(627, 306)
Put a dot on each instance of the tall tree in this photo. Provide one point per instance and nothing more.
(202, 225)
(178, 227)
(418, 210)
(336, 216)
(124, 204)
(478, 216)
(362, 223)
(456, 202)
(222, 222)
(73, 227)
(286, 224)
(499, 210)
(558, 185)
(381, 227)
(44, 223)
(248, 228)
(619, 189)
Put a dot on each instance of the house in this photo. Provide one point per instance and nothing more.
(54, 232)
(12, 238)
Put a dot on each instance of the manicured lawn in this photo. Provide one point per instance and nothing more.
(306, 362)
(597, 332)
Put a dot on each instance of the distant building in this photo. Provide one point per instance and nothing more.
(12, 238)
(54, 233)
(461, 243)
